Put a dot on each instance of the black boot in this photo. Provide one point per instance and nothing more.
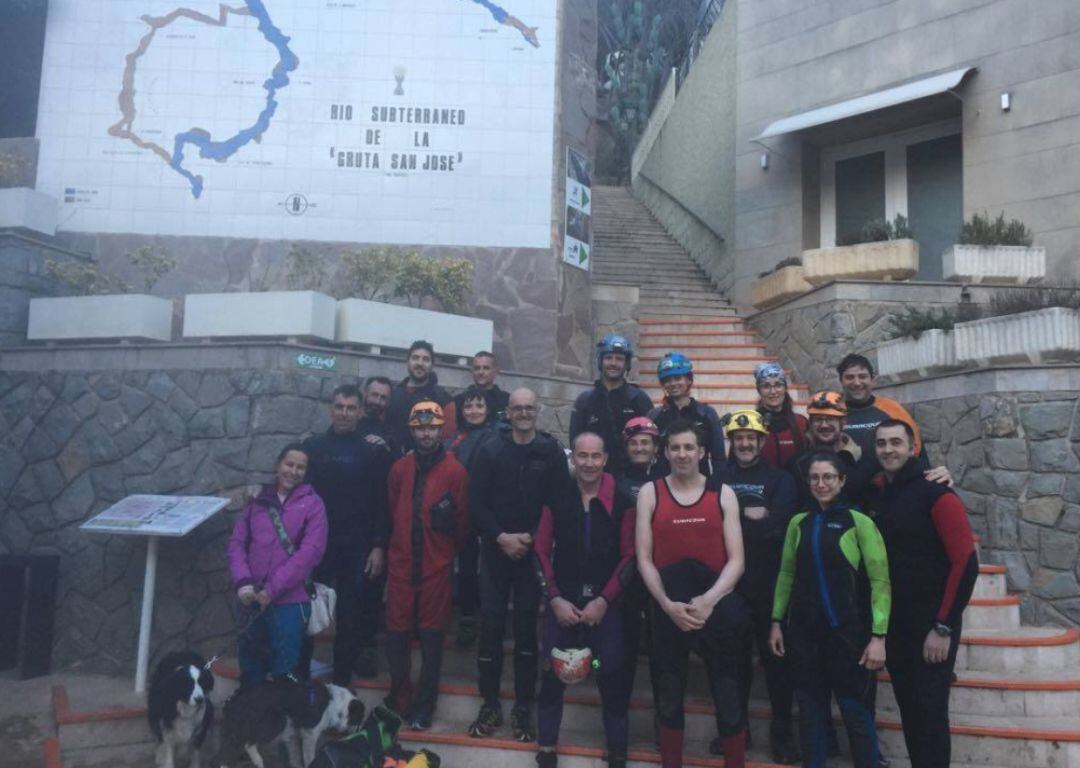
(547, 759)
(784, 748)
(616, 758)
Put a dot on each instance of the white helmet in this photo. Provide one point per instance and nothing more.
(571, 665)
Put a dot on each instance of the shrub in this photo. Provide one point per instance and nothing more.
(154, 262)
(86, 278)
(1015, 302)
(307, 270)
(880, 230)
(981, 230)
(380, 273)
(790, 261)
(370, 273)
(913, 322)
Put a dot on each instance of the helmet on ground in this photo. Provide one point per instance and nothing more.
(426, 412)
(747, 418)
(571, 665)
(826, 403)
(640, 425)
(674, 364)
(612, 343)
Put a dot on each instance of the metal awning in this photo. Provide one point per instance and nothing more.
(889, 97)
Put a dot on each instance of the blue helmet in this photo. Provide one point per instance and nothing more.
(613, 342)
(674, 364)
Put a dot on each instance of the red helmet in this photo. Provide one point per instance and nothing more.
(640, 425)
(571, 665)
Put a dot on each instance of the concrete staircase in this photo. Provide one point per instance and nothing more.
(679, 308)
(1015, 703)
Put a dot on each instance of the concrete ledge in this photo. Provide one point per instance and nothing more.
(1019, 378)
(624, 294)
(305, 314)
(123, 316)
(25, 208)
(392, 325)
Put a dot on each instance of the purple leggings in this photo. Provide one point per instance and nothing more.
(606, 641)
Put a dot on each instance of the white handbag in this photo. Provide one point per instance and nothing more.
(323, 602)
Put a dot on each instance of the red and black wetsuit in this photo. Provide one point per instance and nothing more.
(689, 553)
(429, 522)
(933, 568)
(786, 438)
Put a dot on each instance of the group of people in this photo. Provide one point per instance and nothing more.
(824, 541)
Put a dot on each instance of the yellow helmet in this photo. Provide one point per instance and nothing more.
(746, 418)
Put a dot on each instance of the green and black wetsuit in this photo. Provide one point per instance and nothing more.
(834, 591)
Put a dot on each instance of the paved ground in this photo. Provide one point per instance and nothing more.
(25, 721)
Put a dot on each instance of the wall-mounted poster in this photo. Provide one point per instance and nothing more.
(384, 121)
(577, 244)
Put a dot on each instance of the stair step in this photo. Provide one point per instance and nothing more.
(705, 349)
(1023, 649)
(992, 613)
(711, 363)
(734, 392)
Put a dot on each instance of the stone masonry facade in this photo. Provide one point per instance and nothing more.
(76, 441)
(1016, 460)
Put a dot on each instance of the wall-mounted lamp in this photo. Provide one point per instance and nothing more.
(764, 161)
(1006, 101)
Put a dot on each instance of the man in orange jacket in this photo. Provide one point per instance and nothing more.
(428, 492)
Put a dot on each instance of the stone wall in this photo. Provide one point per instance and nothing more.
(1011, 439)
(81, 428)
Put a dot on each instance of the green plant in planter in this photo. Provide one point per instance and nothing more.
(306, 270)
(370, 273)
(791, 261)
(913, 322)
(11, 169)
(86, 278)
(880, 230)
(982, 230)
(154, 262)
(1028, 300)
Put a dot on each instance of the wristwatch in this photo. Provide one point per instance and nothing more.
(942, 630)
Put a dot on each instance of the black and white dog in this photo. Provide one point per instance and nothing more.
(179, 707)
(277, 712)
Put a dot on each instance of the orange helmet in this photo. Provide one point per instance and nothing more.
(426, 412)
(826, 403)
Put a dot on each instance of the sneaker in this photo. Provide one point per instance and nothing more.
(883, 762)
(467, 632)
(489, 719)
(547, 759)
(364, 666)
(521, 723)
(420, 722)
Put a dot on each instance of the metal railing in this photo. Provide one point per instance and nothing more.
(708, 13)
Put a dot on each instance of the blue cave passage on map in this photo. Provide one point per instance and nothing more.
(279, 78)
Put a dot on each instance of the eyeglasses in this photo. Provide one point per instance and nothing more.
(828, 478)
(771, 385)
(522, 409)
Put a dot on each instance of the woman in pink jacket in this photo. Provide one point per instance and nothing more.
(269, 574)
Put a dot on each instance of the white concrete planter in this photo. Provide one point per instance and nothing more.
(300, 314)
(28, 209)
(120, 316)
(778, 286)
(377, 324)
(993, 263)
(1052, 333)
(886, 260)
(906, 358)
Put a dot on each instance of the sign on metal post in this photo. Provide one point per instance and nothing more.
(153, 517)
(577, 243)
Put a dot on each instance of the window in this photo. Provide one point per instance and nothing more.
(917, 173)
